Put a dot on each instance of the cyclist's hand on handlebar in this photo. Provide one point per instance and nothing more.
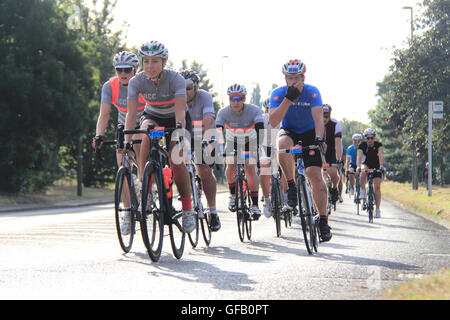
(97, 142)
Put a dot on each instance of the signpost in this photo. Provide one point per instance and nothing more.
(435, 111)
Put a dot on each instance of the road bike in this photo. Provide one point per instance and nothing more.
(331, 203)
(308, 216)
(202, 215)
(279, 211)
(371, 192)
(156, 198)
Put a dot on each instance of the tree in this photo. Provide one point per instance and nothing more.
(256, 95)
(419, 74)
(43, 87)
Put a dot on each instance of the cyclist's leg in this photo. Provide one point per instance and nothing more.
(145, 144)
(287, 163)
(253, 181)
(209, 183)
(230, 173)
(332, 171)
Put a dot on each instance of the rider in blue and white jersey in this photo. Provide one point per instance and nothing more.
(298, 106)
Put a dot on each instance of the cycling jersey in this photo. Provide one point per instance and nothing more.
(333, 129)
(116, 94)
(298, 118)
(202, 107)
(240, 125)
(371, 153)
(352, 153)
(159, 98)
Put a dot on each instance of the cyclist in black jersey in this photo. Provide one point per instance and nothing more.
(370, 155)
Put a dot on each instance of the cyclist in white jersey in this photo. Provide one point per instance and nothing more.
(165, 94)
(202, 114)
(242, 121)
(114, 92)
(268, 158)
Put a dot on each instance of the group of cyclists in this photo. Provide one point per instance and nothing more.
(293, 113)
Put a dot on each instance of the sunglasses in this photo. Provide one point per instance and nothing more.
(326, 116)
(370, 138)
(236, 98)
(190, 87)
(125, 70)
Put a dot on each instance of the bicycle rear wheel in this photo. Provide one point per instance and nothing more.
(276, 205)
(125, 205)
(152, 212)
(193, 236)
(205, 215)
(304, 211)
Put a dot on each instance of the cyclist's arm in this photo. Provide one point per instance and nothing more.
(103, 118)
(338, 147)
(359, 158)
(180, 110)
(381, 157)
(277, 114)
(317, 114)
(130, 120)
(347, 162)
(208, 126)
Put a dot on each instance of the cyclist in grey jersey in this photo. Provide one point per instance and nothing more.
(114, 92)
(201, 111)
(165, 94)
(242, 121)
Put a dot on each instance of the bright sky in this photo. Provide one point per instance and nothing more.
(346, 45)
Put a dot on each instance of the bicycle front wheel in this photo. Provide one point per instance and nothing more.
(304, 211)
(276, 205)
(370, 204)
(193, 236)
(152, 212)
(125, 205)
(248, 220)
(205, 215)
(240, 208)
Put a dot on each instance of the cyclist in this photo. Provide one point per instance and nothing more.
(165, 94)
(242, 121)
(333, 154)
(298, 106)
(350, 163)
(267, 158)
(370, 154)
(114, 92)
(201, 111)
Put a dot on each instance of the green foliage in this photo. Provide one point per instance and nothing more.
(256, 96)
(419, 74)
(42, 88)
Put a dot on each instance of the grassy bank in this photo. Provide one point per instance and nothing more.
(434, 286)
(437, 205)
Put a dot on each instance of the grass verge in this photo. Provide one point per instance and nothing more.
(431, 287)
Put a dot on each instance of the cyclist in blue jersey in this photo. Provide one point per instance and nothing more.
(298, 106)
(350, 163)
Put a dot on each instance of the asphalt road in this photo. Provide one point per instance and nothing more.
(74, 254)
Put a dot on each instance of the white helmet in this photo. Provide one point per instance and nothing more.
(125, 59)
(153, 49)
(294, 66)
(237, 88)
(369, 131)
(357, 137)
(265, 104)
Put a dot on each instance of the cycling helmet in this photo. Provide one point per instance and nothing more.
(125, 59)
(153, 49)
(190, 75)
(369, 131)
(237, 88)
(357, 137)
(266, 103)
(326, 108)
(294, 66)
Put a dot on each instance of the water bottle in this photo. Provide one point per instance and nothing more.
(167, 173)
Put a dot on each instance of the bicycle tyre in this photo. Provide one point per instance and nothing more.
(193, 236)
(205, 222)
(152, 222)
(305, 227)
(125, 241)
(312, 218)
(176, 231)
(370, 204)
(240, 208)
(276, 205)
(247, 219)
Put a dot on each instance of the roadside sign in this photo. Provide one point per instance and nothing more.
(438, 109)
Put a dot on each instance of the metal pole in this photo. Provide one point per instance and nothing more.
(430, 146)
(80, 167)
